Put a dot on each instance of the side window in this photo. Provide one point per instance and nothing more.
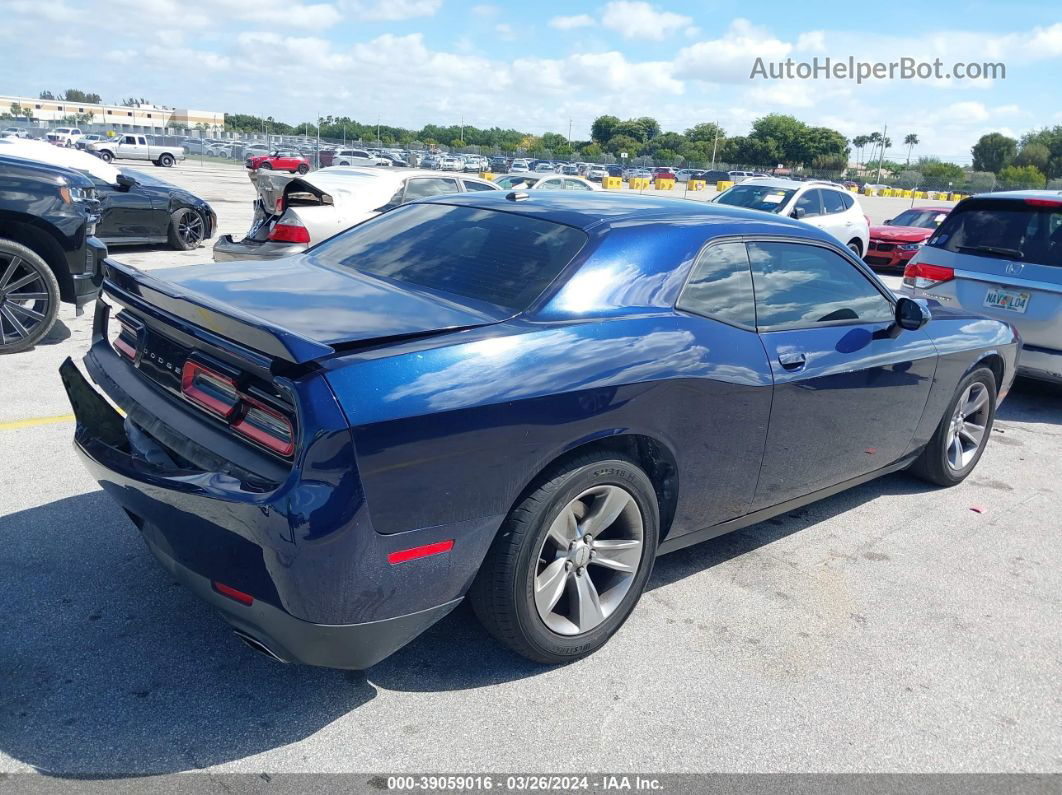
(429, 186)
(720, 286)
(142, 141)
(359, 153)
(832, 202)
(473, 185)
(130, 139)
(810, 203)
(847, 199)
(551, 184)
(574, 184)
(799, 285)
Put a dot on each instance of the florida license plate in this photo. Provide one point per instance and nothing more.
(1011, 300)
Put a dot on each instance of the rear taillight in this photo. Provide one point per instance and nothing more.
(923, 276)
(265, 425)
(128, 338)
(211, 390)
(289, 230)
(248, 416)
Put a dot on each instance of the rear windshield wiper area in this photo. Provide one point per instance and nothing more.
(994, 251)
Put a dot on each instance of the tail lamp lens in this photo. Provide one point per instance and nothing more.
(266, 426)
(922, 276)
(289, 233)
(211, 390)
(250, 417)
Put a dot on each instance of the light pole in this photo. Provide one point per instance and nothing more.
(715, 143)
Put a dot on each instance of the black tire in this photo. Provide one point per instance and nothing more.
(166, 160)
(303, 169)
(106, 156)
(502, 594)
(187, 229)
(856, 248)
(935, 463)
(266, 167)
(25, 321)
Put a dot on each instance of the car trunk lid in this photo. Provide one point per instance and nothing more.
(265, 305)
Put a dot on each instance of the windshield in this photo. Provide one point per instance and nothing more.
(498, 258)
(926, 219)
(756, 197)
(1029, 231)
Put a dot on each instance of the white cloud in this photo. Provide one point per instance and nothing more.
(389, 10)
(729, 59)
(505, 31)
(634, 19)
(570, 23)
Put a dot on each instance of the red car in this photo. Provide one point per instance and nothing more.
(663, 173)
(893, 244)
(280, 160)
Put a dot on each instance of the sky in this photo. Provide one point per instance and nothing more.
(545, 66)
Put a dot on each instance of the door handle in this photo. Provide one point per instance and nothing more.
(792, 361)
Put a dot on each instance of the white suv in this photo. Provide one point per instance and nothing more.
(823, 204)
(358, 157)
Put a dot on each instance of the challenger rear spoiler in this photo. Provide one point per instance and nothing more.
(140, 290)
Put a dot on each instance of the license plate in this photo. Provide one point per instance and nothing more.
(1011, 300)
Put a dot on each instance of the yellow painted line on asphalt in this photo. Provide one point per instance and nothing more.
(35, 421)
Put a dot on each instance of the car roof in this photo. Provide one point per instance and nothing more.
(588, 210)
(1020, 195)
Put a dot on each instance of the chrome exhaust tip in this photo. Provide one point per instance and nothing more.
(258, 646)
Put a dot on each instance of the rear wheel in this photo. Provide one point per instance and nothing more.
(960, 439)
(166, 160)
(29, 297)
(303, 168)
(187, 229)
(571, 560)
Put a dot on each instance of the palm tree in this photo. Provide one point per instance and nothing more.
(911, 141)
(859, 142)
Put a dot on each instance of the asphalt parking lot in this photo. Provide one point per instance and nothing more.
(894, 627)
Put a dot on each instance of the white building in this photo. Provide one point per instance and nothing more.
(138, 118)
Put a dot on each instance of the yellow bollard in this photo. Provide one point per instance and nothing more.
(638, 183)
(854, 189)
(723, 184)
(920, 194)
(487, 175)
(665, 184)
(612, 183)
(868, 191)
(956, 197)
(696, 184)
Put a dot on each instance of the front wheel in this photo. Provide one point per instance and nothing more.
(29, 297)
(187, 229)
(265, 167)
(166, 161)
(960, 439)
(302, 169)
(856, 248)
(571, 560)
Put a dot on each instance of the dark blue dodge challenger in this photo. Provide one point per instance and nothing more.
(522, 399)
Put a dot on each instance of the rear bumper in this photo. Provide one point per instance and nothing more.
(1043, 364)
(226, 249)
(324, 590)
(292, 640)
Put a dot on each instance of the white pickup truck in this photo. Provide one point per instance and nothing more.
(136, 147)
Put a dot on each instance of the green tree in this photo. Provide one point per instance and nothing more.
(77, 95)
(1052, 139)
(46, 95)
(624, 143)
(938, 174)
(910, 141)
(21, 111)
(603, 128)
(859, 142)
(707, 131)
(1014, 177)
(993, 152)
(592, 151)
(1034, 154)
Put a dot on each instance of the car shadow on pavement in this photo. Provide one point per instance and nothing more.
(107, 666)
(1032, 401)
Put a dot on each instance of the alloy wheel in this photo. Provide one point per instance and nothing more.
(588, 559)
(24, 300)
(190, 228)
(966, 433)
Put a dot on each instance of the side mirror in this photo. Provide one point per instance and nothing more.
(125, 183)
(798, 213)
(887, 221)
(912, 314)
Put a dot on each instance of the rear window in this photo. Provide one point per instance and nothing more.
(1006, 229)
(756, 197)
(498, 258)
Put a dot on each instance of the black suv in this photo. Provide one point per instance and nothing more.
(48, 254)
